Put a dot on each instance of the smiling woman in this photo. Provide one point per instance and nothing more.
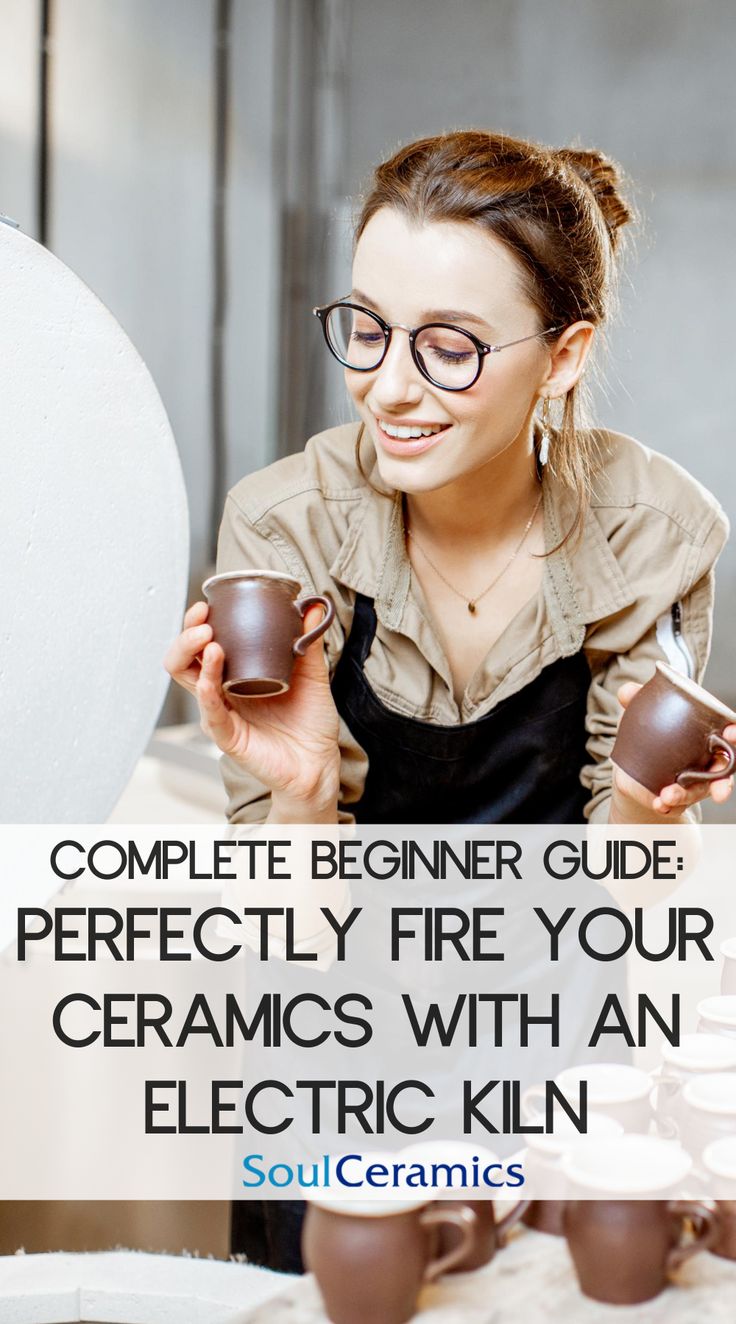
(502, 581)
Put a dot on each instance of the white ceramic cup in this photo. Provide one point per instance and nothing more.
(728, 969)
(718, 1163)
(717, 1015)
(708, 1111)
(614, 1088)
(545, 1152)
(695, 1055)
(627, 1167)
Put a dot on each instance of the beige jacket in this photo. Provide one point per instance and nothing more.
(650, 541)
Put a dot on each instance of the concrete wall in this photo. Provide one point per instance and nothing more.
(131, 197)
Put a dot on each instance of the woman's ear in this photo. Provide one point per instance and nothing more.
(568, 356)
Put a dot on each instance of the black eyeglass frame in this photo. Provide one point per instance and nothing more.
(482, 348)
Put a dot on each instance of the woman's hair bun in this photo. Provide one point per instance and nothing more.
(603, 177)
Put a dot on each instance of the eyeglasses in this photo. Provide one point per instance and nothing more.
(446, 355)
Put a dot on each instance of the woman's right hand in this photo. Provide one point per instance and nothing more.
(289, 742)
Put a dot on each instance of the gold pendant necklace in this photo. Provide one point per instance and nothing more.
(472, 603)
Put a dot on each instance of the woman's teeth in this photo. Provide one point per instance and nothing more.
(406, 433)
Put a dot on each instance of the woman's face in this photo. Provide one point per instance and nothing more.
(421, 273)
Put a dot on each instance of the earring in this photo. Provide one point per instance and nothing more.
(546, 435)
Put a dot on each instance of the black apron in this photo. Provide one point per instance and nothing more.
(518, 764)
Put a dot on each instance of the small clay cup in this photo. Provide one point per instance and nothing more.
(728, 969)
(544, 1155)
(617, 1089)
(370, 1261)
(725, 1243)
(719, 1179)
(623, 1250)
(546, 1216)
(626, 1227)
(456, 1159)
(257, 618)
(717, 1015)
(707, 1111)
(670, 732)
(695, 1055)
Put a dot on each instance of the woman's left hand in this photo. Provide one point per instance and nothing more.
(633, 803)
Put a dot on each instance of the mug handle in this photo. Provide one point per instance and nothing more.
(510, 1220)
(671, 1085)
(705, 1229)
(462, 1218)
(716, 743)
(302, 605)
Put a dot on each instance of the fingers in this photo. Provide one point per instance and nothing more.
(217, 717)
(721, 790)
(180, 659)
(196, 614)
(673, 797)
(626, 692)
(677, 798)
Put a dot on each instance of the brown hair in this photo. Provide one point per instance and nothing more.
(559, 211)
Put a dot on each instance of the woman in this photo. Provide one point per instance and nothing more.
(502, 585)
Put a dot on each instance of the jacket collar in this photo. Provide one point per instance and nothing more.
(583, 582)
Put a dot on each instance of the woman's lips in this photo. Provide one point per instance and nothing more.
(409, 445)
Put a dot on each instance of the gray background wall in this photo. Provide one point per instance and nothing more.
(320, 89)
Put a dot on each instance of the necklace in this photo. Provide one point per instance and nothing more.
(472, 603)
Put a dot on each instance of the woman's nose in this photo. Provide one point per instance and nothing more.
(398, 379)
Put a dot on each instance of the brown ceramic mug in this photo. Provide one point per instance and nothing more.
(546, 1216)
(370, 1259)
(670, 732)
(623, 1250)
(257, 618)
(622, 1247)
(719, 1183)
(452, 1163)
(544, 1155)
(725, 1243)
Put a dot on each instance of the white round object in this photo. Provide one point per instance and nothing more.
(93, 546)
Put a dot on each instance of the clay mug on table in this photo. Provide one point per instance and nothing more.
(625, 1227)
(371, 1257)
(545, 1179)
(614, 1088)
(451, 1166)
(728, 969)
(257, 618)
(719, 1179)
(695, 1055)
(708, 1111)
(671, 731)
(717, 1015)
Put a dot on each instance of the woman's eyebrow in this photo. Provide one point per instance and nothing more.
(432, 314)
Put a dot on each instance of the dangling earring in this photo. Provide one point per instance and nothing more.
(546, 436)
